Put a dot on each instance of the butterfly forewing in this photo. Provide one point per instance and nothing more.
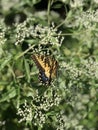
(54, 69)
(38, 59)
(47, 67)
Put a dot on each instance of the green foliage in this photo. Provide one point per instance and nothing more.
(66, 30)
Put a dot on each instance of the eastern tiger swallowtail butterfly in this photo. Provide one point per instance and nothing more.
(47, 68)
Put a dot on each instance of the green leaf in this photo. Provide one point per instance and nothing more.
(5, 61)
(8, 95)
(27, 70)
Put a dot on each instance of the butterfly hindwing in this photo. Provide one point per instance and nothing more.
(47, 67)
(43, 78)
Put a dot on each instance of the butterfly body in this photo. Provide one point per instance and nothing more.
(47, 68)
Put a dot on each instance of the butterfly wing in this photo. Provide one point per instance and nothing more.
(54, 69)
(47, 67)
(43, 78)
(41, 62)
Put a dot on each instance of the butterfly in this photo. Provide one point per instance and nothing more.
(47, 68)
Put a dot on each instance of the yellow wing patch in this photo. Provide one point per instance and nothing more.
(47, 67)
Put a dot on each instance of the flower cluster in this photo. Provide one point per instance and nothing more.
(73, 119)
(37, 111)
(87, 19)
(39, 34)
(68, 122)
(88, 68)
(78, 78)
(47, 35)
(91, 68)
(2, 36)
(22, 32)
(96, 1)
(2, 123)
(26, 113)
(2, 32)
(76, 3)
